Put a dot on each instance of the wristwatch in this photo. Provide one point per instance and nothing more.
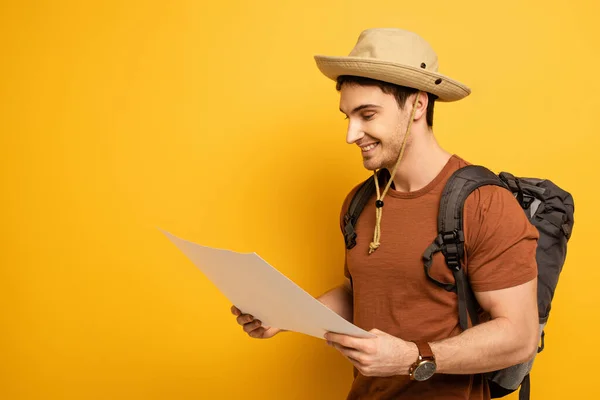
(425, 366)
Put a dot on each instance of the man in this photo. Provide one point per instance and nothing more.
(388, 85)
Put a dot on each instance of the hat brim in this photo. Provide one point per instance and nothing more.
(445, 89)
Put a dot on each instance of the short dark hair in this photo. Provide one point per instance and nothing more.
(401, 93)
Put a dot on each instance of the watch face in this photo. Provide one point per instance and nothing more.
(424, 371)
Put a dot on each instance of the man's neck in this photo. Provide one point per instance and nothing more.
(422, 162)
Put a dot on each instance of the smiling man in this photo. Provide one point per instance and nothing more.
(388, 86)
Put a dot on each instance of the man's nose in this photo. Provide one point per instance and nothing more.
(354, 133)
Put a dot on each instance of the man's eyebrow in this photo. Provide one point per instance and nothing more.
(362, 106)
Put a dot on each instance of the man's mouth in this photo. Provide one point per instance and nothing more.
(369, 147)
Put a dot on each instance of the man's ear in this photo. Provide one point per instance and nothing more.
(422, 103)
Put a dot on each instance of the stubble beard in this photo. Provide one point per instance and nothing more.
(395, 146)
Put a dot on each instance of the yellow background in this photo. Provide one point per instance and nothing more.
(210, 120)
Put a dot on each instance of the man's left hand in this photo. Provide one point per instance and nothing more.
(384, 355)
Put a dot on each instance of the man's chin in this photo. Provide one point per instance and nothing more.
(371, 165)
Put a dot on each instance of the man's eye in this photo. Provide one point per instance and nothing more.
(368, 116)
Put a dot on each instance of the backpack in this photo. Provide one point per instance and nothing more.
(549, 208)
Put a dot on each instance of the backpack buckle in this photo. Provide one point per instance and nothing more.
(453, 262)
(527, 200)
(452, 237)
(452, 248)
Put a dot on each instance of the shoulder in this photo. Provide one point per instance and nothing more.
(493, 213)
(489, 197)
(500, 241)
(492, 198)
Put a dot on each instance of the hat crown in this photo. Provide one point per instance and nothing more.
(397, 46)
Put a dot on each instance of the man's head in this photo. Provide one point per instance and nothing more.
(383, 120)
(378, 114)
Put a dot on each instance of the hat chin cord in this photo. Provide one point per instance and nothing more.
(374, 245)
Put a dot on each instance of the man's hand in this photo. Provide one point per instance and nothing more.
(384, 355)
(254, 327)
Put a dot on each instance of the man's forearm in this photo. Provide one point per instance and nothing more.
(487, 347)
(339, 299)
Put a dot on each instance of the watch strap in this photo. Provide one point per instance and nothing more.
(424, 349)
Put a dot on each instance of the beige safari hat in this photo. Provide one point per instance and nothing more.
(395, 56)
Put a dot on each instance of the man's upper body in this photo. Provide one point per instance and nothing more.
(388, 86)
(391, 292)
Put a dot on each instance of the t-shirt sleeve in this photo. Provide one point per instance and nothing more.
(500, 241)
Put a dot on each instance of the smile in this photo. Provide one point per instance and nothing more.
(368, 148)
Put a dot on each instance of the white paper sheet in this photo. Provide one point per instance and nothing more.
(256, 288)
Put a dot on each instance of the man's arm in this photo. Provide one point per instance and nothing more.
(340, 300)
(509, 338)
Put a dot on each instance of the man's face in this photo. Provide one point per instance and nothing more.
(376, 124)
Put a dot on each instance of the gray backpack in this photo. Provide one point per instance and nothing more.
(549, 208)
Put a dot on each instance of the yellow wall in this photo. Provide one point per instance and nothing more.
(210, 120)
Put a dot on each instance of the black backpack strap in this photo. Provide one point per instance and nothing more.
(357, 204)
(524, 393)
(450, 240)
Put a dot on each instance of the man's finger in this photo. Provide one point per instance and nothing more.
(257, 333)
(244, 319)
(345, 340)
(235, 311)
(252, 326)
(352, 354)
(359, 366)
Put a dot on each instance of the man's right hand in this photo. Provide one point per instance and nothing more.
(253, 327)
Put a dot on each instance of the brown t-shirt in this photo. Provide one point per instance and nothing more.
(392, 293)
